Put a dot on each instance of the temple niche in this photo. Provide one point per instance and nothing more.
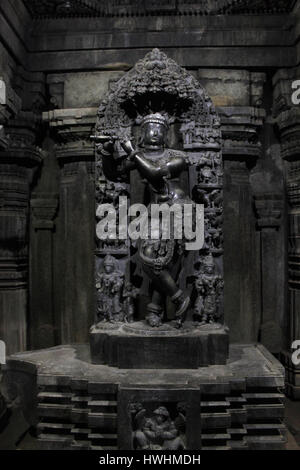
(159, 93)
(122, 121)
(158, 142)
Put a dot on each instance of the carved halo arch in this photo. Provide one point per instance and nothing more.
(158, 84)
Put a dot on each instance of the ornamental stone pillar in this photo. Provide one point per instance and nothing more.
(74, 261)
(241, 149)
(287, 116)
(269, 208)
(43, 332)
(19, 158)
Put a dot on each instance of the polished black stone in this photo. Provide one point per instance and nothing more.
(138, 346)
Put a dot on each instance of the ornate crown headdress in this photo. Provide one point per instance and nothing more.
(156, 118)
(109, 261)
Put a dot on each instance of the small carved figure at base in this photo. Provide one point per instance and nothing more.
(109, 284)
(158, 432)
(208, 287)
(130, 294)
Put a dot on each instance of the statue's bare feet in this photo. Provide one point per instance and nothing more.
(177, 323)
(154, 320)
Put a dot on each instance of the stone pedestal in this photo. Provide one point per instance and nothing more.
(79, 405)
(292, 375)
(138, 346)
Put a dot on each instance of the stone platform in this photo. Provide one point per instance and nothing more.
(292, 376)
(139, 346)
(79, 405)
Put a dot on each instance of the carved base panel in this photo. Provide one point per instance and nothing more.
(79, 405)
(292, 376)
(139, 346)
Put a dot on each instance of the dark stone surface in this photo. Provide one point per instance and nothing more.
(61, 295)
(167, 395)
(292, 375)
(138, 346)
(241, 402)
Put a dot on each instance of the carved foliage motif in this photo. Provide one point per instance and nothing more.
(157, 84)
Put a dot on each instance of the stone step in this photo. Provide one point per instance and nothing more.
(236, 402)
(80, 399)
(238, 416)
(263, 395)
(50, 410)
(103, 406)
(80, 445)
(102, 420)
(103, 447)
(54, 394)
(215, 420)
(54, 397)
(92, 403)
(215, 448)
(79, 416)
(214, 404)
(264, 411)
(265, 442)
(55, 426)
(235, 399)
(55, 438)
(52, 441)
(215, 436)
(95, 435)
(265, 429)
(263, 398)
(77, 430)
(236, 431)
(238, 445)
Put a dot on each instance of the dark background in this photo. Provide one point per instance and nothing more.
(57, 59)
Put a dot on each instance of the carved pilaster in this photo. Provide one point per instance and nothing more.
(269, 208)
(42, 318)
(241, 150)
(18, 162)
(71, 129)
(240, 132)
(10, 105)
(288, 123)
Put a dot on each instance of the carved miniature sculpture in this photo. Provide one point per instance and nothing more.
(208, 285)
(155, 432)
(109, 284)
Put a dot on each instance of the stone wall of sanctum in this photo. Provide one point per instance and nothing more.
(55, 72)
